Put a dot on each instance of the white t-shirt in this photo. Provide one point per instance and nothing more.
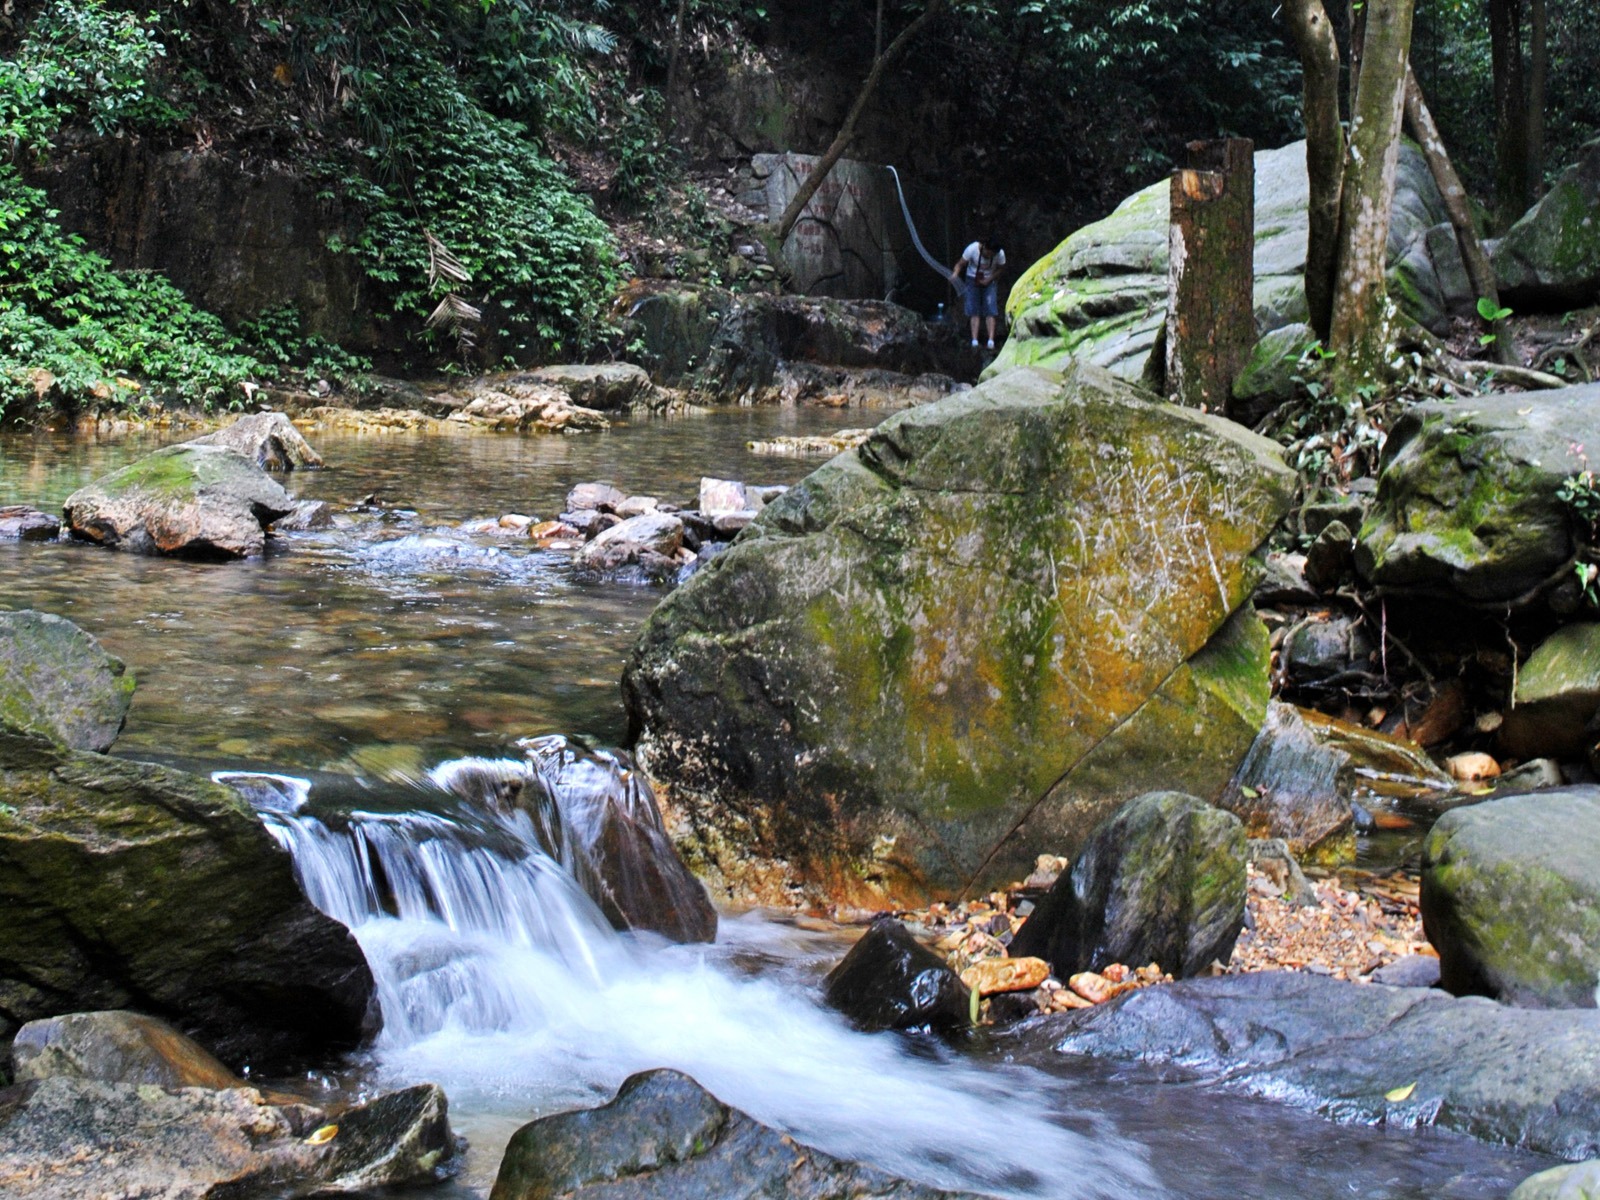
(981, 269)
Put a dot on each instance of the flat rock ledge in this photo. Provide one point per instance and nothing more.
(1518, 1077)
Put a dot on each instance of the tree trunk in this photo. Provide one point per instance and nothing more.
(1457, 205)
(847, 131)
(1510, 112)
(1319, 59)
(1538, 89)
(672, 63)
(1211, 324)
(1360, 335)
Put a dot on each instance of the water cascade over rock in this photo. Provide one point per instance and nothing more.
(975, 636)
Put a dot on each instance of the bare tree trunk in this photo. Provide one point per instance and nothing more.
(1510, 111)
(1360, 335)
(1538, 89)
(1319, 59)
(1356, 22)
(847, 131)
(1456, 203)
(672, 63)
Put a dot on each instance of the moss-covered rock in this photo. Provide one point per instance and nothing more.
(1556, 697)
(1551, 257)
(1575, 1181)
(1270, 377)
(1101, 295)
(1468, 506)
(56, 680)
(1511, 898)
(1162, 881)
(130, 885)
(912, 654)
(188, 500)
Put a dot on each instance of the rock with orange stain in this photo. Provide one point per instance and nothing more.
(990, 976)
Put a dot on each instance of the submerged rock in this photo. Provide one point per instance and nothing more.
(1511, 898)
(191, 501)
(1162, 881)
(1000, 618)
(56, 680)
(1523, 1078)
(1550, 258)
(267, 439)
(64, 1138)
(20, 523)
(664, 1137)
(1468, 505)
(126, 884)
(889, 980)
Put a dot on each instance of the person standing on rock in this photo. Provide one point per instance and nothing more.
(982, 263)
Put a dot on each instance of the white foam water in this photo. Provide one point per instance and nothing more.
(500, 980)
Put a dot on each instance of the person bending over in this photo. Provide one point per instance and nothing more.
(979, 271)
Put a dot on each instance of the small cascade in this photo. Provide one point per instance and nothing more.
(501, 979)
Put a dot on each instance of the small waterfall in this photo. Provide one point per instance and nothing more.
(501, 979)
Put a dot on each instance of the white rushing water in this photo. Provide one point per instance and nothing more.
(500, 979)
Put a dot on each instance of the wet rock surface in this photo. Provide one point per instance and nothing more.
(20, 523)
(1468, 507)
(665, 1136)
(1511, 898)
(190, 501)
(889, 980)
(267, 439)
(115, 1047)
(998, 581)
(1162, 881)
(130, 885)
(1516, 1076)
(65, 1139)
(57, 681)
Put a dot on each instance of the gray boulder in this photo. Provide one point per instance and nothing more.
(1557, 697)
(664, 1137)
(1467, 505)
(56, 680)
(267, 439)
(115, 1047)
(20, 523)
(191, 501)
(1511, 898)
(1101, 295)
(1550, 258)
(1508, 1075)
(999, 619)
(604, 387)
(64, 1139)
(130, 885)
(1162, 881)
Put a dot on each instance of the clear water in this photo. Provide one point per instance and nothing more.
(391, 646)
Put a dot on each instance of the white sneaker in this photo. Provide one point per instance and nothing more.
(974, 343)
(991, 343)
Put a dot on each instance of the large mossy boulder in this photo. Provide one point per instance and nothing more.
(56, 680)
(127, 885)
(1550, 259)
(1162, 881)
(192, 501)
(664, 1137)
(1101, 295)
(1506, 1075)
(975, 636)
(1556, 697)
(1511, 898)
(1468, 505)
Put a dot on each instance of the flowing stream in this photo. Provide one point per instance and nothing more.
(366, 688)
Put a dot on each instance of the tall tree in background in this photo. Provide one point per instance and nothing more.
(1521, 81)
(1354, 179)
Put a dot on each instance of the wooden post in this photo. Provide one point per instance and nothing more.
(1211, 325)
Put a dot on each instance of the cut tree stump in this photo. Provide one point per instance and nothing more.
(1211, 327)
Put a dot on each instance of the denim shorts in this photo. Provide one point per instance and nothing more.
(982, 299)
